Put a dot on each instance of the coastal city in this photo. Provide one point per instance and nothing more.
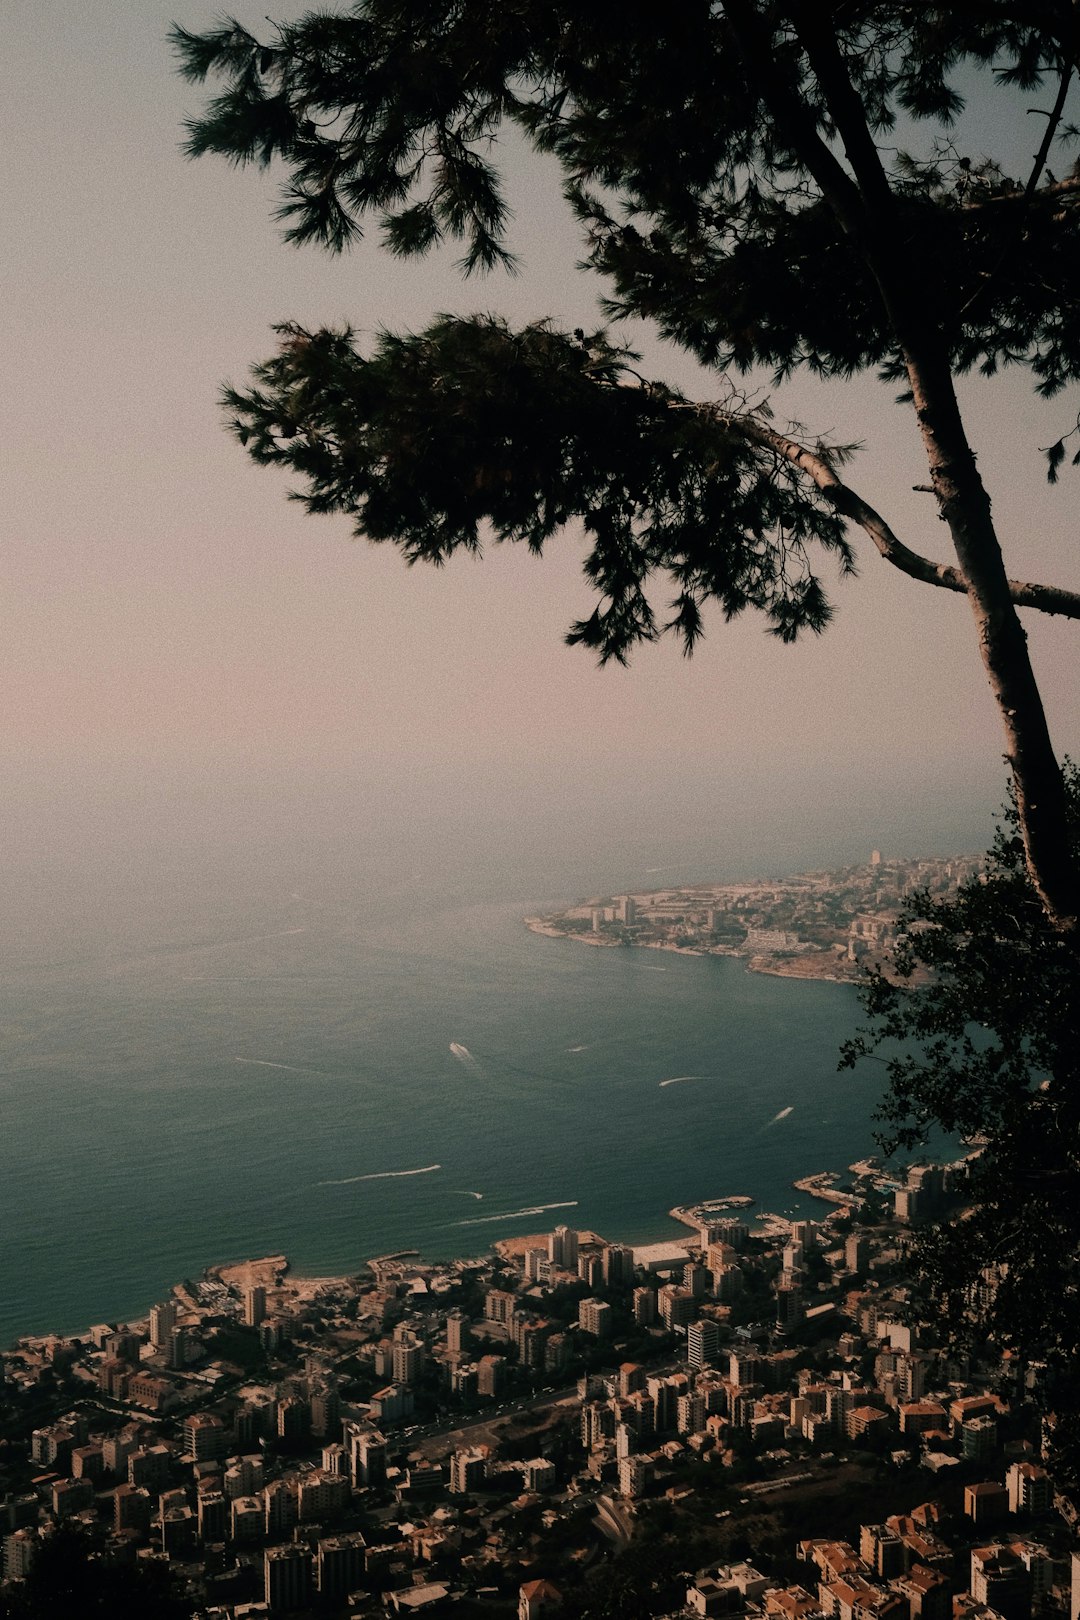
(754, 1416)
(471, 463)
(812, 925)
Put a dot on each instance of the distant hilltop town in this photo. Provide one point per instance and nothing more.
(814, 925)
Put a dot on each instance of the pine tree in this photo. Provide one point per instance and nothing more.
(734, 168)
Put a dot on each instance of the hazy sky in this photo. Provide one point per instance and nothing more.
(181, 643)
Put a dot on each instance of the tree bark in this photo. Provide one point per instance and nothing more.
(864, 206)
(1049, 599)
(965, 506)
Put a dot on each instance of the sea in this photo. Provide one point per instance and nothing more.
(337, 1056)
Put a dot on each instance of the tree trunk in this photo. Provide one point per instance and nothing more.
(965, 506)
(865, 208)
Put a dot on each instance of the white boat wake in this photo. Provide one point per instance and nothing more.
(464, 1057)
(265, 1063)
(783, 1114)
(460, 1193)
(678, 1079)
(520, 1214)
(379, 1175)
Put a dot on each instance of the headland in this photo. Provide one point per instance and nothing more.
(828, 925)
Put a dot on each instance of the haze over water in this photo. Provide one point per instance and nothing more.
(331, 1057)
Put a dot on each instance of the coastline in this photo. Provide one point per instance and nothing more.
(821, 966)
(290, 1291)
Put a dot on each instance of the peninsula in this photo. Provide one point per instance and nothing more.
(812, 925)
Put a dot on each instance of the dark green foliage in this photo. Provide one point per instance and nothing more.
(240, 1345)
(71, 1577)
(698, 147)
(431, 438)
(989, 1048)
(677, 145)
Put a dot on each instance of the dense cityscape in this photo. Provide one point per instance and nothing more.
(817, 925)
(757, 1418)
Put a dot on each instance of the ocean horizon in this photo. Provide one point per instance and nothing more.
(334, 1065)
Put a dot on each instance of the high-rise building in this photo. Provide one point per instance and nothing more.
(247, 1518)
(117, 1447)
(531, 1334)
(557, 1353)
(325, 1412)
(205, 1437)
(124, 1346)
(594, 1316)
(340, 1561)
(634, 1475)
(178, 1347)
(730, 1230)
(678, 1307)
(457, 1333)
(335, 1459)
(468, 1469)
(213, 1516)
(703, 1343)
(287, 1577)
(149, 1466)
(563, 1249)
(1000, 1580)
(645, 1309)
(20, 1550)
(279, 1505)
(618, 1266)
(690, 1413)
(293, 1420)
(1030, 1488)
(499, 1306)
(695, 1279)
(979, 1438)
(245, 1476)
(597, 1424)
(537, 1266)
(857, 1253)
(745, 1367)
(790, 1305)
(367, 1455)
(408, 1359)
(131, 1508)
(162, 1322)
(590, 1269)
(322, 1496)
(490, 1375)
(254, 1305)
(631, 1378)
(665, 1392)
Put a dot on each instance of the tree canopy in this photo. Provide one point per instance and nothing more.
(984, 1042)
(772, 184)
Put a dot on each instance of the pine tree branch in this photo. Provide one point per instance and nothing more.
(1051, 599)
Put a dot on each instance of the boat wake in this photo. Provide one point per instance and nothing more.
(519, 1214)
(678, 1079)
(783, 1114)
(460, 1193)
(379, 1175)
(464, 1057)
(265, 1063)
